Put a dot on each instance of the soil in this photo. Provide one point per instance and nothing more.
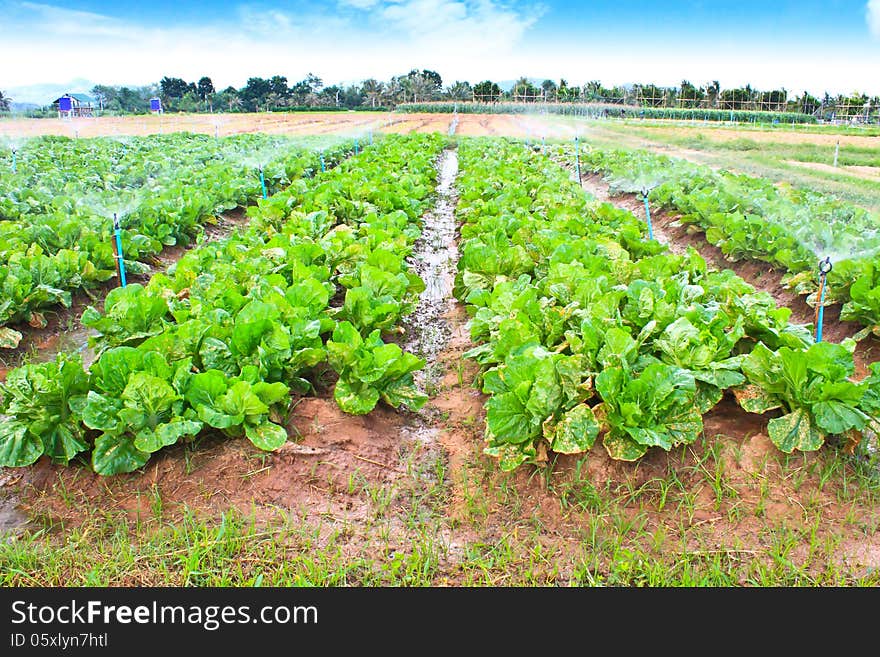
(339, 472)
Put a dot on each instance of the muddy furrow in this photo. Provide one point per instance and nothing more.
(434, 258)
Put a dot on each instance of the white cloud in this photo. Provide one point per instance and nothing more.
(872, 15)
(66, 22)
(359, 4)
(460, 39)
(382, 38)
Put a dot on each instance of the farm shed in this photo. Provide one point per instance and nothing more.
(74, 105)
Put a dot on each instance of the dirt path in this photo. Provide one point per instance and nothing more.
(762, 276)
(864, 172)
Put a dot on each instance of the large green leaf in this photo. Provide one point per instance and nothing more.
(508, 420)
(18, 447)
(576, 431)
(356, 399)
(795, 431)
(266, 436)
(621, 447)
(836, 417)
(117, 454)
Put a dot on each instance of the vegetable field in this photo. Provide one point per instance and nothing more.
(431, 358)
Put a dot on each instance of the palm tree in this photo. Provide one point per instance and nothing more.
(372, 89)
(235, 102)
(460, 91)
(5, 102)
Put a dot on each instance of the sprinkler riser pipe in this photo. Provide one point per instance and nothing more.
(14, 167)
(120, 261)
(824, 268)
(323, 168)
(577, 159)
(648, 217)
(263, 183)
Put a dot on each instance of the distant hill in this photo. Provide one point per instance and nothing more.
(23, 107)
(44, 94)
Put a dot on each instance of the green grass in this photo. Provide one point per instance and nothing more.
(775, 160)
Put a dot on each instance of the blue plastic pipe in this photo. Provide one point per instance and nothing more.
(824, 268)
(821, 312)
(355, 146)
(263, 182)
(120, 261)
(323, 168)
(648, 217)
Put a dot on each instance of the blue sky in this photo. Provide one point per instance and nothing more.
(830, 45)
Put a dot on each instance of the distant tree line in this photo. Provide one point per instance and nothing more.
(277, 93)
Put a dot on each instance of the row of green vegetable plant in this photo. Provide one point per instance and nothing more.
(605, 110)
(759, 219)
(56, 232)
(586, 328)
(220, 341)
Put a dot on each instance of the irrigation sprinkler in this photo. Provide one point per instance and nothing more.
(824, 268)
(14, 164)
(371, 136)
(323, 167)
(263, 182)
(836, 152)
(120, 263)
(577, 159)
(645, 192)
(543, 145)
(216, 131)
(355, 146)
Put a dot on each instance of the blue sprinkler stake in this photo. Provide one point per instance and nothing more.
(648, 214)
(355, 146)
(577, 159)
(120, 262)
(323, 168)
(824, 268)
(263, 182)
